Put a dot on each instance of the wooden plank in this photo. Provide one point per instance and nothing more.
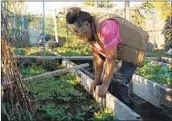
(55, 57)
(121, 111)
(166, 60)
(54, 73)
(151, 58)
(161, 63)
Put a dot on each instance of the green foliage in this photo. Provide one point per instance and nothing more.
(148, 8)
(137, 18)
(16, 7)
(164, 8)
(167, 33)
(89, 2)
(73, 47)
(61, 24)
(61, 87)
(62, 99)
(32, 71)
(157, 73)
(102, 4)
(104, 115)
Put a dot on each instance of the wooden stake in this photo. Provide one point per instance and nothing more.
(55, 73)
(55, 57)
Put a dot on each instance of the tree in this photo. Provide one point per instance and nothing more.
(164, 9)
(89, 3)
(147, 8)
(137, 18)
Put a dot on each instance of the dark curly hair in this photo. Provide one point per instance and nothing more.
(76, 15)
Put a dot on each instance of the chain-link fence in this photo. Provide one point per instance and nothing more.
(23, 35)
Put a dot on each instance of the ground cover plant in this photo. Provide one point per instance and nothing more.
(61, 98)
(157, 73)
(73, 47)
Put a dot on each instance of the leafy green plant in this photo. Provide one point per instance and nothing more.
(157, 73)
(104, 115)
(61, 98)
(32, 70)
(74, 47)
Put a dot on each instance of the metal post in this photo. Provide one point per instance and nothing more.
(107, 5)
(14, 26)
(43, 30)
(127, 10)
(55, 27)
(5, 18)
(154, 28)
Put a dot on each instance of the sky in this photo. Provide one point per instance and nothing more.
(37, 7)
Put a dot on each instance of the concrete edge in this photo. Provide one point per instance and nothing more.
(151, 91)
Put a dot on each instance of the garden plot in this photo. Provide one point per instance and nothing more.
(121, 111)
(142, 107)
(133, 89)
(157, 61)
(110, 102)
(61, 98)
(152, 83)
(73, 46)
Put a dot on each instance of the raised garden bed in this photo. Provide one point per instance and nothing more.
(158, 53)
(167, 60)
(155, 72)
(104, 102)
(61, 98)
(121, 111)
(153, 83)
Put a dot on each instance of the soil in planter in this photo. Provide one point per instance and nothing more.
(149, 112)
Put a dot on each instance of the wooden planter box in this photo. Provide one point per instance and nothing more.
(161, 63)
(121, 111)
(165, 60)
(152, 92)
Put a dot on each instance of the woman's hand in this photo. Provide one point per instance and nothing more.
(102, 89)
(93, 85)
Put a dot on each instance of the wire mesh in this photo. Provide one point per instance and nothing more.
(16, 103)
(21, 35)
